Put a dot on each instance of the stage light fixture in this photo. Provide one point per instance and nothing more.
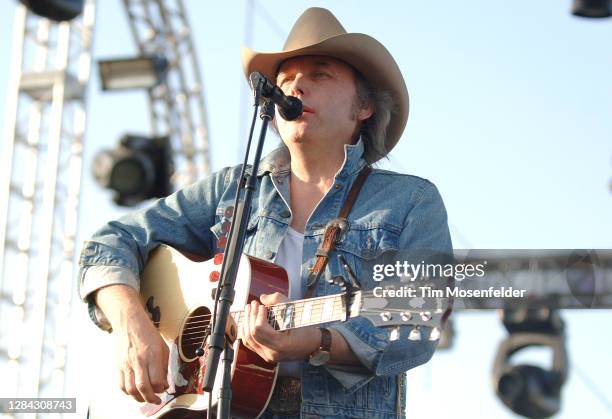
(138, 169)
(58, 10)
(530, 390)
(133, 73)
(592, 8)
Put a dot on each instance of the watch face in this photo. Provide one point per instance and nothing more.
(319, 358)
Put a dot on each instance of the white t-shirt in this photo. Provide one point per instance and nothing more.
(289, 256)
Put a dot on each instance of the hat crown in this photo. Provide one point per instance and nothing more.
(313, 26)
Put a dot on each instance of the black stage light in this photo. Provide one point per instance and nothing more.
(133, 73)
(529, 390)
(58, 10)
(592, 8)
(138, 169)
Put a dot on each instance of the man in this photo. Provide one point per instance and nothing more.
(355, 109)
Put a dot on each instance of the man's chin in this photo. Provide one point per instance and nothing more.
(297, 137)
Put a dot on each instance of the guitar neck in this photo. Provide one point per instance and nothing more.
(301, 313)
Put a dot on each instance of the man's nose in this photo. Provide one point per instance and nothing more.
(297, 87)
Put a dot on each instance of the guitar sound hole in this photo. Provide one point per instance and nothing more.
(195, 332)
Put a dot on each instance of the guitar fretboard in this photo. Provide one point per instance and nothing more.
(309, 312)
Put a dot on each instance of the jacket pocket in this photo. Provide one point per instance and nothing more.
(362, 246)
(368, 241)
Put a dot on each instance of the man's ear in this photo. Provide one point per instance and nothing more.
(365, 112)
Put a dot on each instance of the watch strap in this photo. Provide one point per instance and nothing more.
(326, 340)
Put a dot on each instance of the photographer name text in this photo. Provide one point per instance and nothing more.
(455, 292)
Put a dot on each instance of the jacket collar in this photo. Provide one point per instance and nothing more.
(278, 162)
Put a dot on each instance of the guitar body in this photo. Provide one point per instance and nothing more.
(178, 294)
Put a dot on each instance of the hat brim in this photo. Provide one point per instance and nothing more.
(364, 53)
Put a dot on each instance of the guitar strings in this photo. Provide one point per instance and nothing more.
(299, 308)
(337, 314)
(197, 330)
(276, 316)
(200, 337)
(276, 307)
(274, 312)
(279, 316)
(281, 306)
(273, 315)
(303, 303)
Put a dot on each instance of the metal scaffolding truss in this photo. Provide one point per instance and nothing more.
(177, 106)
(39, 198)
(42, 167)
(547, 279)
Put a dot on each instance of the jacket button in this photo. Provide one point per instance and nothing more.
(285, 214)
(269, 254)
(338, 186)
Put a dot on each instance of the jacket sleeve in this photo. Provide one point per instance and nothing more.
(117, 253)
(425, 229)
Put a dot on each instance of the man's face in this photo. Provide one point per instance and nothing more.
(326, 86)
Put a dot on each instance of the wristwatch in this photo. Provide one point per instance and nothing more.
(322, 355)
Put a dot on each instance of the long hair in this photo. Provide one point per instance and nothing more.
(374, 129)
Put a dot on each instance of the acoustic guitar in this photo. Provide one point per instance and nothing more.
(178, 293)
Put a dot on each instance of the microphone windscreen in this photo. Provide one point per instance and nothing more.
(292, 112)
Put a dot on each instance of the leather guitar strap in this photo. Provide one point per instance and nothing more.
(332, 231)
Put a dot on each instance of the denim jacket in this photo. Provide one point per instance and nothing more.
(393, 211)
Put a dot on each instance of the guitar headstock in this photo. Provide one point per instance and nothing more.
(391, 306)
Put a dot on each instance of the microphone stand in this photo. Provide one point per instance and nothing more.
(219, 341)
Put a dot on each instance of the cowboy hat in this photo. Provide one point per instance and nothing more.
(318, 32)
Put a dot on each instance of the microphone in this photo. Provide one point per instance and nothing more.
(289, 107)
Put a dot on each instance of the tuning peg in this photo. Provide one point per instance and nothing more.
(435, 334)
(426, 316)
(338, 280)
(406, 316)
(385, 316)
(395, 334)
(415, 334)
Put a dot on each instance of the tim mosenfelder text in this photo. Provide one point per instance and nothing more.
(427, 271)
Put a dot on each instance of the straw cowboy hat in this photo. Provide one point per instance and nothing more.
(318, 32)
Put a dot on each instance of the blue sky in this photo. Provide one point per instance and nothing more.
(511, 117)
